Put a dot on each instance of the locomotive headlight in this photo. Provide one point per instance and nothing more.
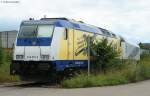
(45, 57)
(19, 56)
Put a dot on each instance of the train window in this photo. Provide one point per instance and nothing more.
(113, 35)
(103, 32)
(45, 30)
(65, 34)
(27, 31)
(120, 43)
(107, 33)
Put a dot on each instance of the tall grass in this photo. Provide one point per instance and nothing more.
(5, 67)
(143, 68)
(127, 72)
(92, 81)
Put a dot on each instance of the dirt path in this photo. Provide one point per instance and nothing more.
(136, 89)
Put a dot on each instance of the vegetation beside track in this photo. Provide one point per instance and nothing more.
(5, 60)
(128, 73)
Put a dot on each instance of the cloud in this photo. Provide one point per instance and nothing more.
(128, 18)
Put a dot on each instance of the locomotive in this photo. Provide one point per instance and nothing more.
(57, 44)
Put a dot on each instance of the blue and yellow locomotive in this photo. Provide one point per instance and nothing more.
(57, 44)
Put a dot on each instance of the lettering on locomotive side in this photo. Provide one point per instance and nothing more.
(79, 62)
(32, 56)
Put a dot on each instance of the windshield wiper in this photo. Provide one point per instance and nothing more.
(36, 35)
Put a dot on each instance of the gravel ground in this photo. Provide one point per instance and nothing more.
(135, 89)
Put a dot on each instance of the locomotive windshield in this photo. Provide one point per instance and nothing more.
(31, 31)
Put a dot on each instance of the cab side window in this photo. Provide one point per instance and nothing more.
(66, 34)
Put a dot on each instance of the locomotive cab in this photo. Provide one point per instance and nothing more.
(32, 49)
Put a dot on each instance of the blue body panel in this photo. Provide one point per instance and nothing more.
(42, 41)
(63, 64)
(78, 26)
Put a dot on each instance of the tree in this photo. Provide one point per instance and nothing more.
(103, 52)
(141, 45)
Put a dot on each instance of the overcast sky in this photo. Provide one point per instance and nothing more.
(130, 18)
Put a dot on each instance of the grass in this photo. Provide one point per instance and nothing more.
(128, 72)
(5, 77)
(93, 81)
(143, 68)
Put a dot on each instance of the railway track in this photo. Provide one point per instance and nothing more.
(30, 84)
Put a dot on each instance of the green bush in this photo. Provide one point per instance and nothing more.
(103, 52)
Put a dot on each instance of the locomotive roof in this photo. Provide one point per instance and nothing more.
(68, 23)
